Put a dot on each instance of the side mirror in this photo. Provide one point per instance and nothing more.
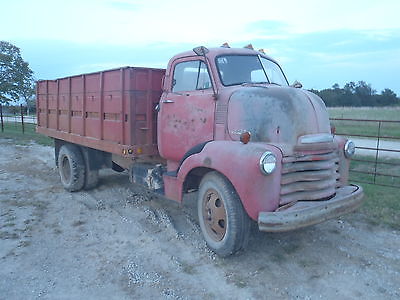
(201, 50)
(297, 85)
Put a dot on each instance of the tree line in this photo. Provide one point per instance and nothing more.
(357, 94)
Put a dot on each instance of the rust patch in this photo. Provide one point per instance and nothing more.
(207, 161)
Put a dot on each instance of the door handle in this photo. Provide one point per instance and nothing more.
(168, 101)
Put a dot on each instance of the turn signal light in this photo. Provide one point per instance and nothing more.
(245, 137)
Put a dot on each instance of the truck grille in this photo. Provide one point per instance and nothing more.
(309, 177)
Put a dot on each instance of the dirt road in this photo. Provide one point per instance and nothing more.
(373, 143)
(116, 243)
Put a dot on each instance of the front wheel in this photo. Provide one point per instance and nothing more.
(223, 220)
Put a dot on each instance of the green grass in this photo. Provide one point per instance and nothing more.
(350, 128)
(369, 113)
(381, 203)
(14, 131)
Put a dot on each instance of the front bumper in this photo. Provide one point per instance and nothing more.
(306, 213)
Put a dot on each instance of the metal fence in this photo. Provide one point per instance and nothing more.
(17, 118)
(377, 159)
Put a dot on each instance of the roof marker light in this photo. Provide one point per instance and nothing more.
(249, 46)
(225, 45)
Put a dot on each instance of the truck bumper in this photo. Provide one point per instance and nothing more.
(306, 213)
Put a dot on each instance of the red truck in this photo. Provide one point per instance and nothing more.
(223, 122)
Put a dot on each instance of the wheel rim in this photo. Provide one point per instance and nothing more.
(65, 169)
(214, 215)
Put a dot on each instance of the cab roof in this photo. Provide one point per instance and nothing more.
(214, 52)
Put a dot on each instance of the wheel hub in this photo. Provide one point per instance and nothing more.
(214, 215)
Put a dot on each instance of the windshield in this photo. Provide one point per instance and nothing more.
(239, 69)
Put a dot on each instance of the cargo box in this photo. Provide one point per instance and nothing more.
(112, 111)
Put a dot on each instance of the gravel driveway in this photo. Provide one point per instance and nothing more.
(115, 242)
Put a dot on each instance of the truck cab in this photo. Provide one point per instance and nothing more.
(231, 113)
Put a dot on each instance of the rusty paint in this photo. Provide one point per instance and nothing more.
(207, 162)
(101, 126)
(177, 134)
(306, 213)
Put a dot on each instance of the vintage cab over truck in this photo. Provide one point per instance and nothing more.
(223, 122)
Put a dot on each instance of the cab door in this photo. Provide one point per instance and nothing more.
(187, 107)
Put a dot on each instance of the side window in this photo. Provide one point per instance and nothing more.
(190, 76)
(203, 81)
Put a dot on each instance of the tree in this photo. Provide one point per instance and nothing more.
(16, 78)
(387, 97)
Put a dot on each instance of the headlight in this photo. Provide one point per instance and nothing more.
(267, 163)
(349, 149)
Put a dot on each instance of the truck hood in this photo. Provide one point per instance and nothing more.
(275, 114)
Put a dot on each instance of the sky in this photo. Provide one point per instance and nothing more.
(318, 43)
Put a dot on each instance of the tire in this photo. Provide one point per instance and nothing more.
(223, 221)
(71, 167)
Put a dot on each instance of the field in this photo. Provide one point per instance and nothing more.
(13, 130)
(381, 204)
(391, 113)
(382, 129)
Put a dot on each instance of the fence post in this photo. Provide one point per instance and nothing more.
(1, 117)
(377, 150)
(22, 119)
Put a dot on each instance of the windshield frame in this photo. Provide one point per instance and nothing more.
(261, 63)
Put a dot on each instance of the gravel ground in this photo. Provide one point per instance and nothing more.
(117, 242)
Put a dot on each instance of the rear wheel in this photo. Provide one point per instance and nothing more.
(71, 167)
(223, 221)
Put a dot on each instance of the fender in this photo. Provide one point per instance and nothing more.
(240, 164)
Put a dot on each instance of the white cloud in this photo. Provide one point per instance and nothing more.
(178, 21)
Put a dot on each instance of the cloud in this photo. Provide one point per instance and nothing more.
(317, 42)
(131, 22)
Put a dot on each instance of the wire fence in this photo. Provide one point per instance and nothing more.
(377, 159)
(17, 118)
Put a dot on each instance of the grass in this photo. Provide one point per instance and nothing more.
(14, 131)
(370, 113)
(367, 113)
(350, 128)
(381, 203)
